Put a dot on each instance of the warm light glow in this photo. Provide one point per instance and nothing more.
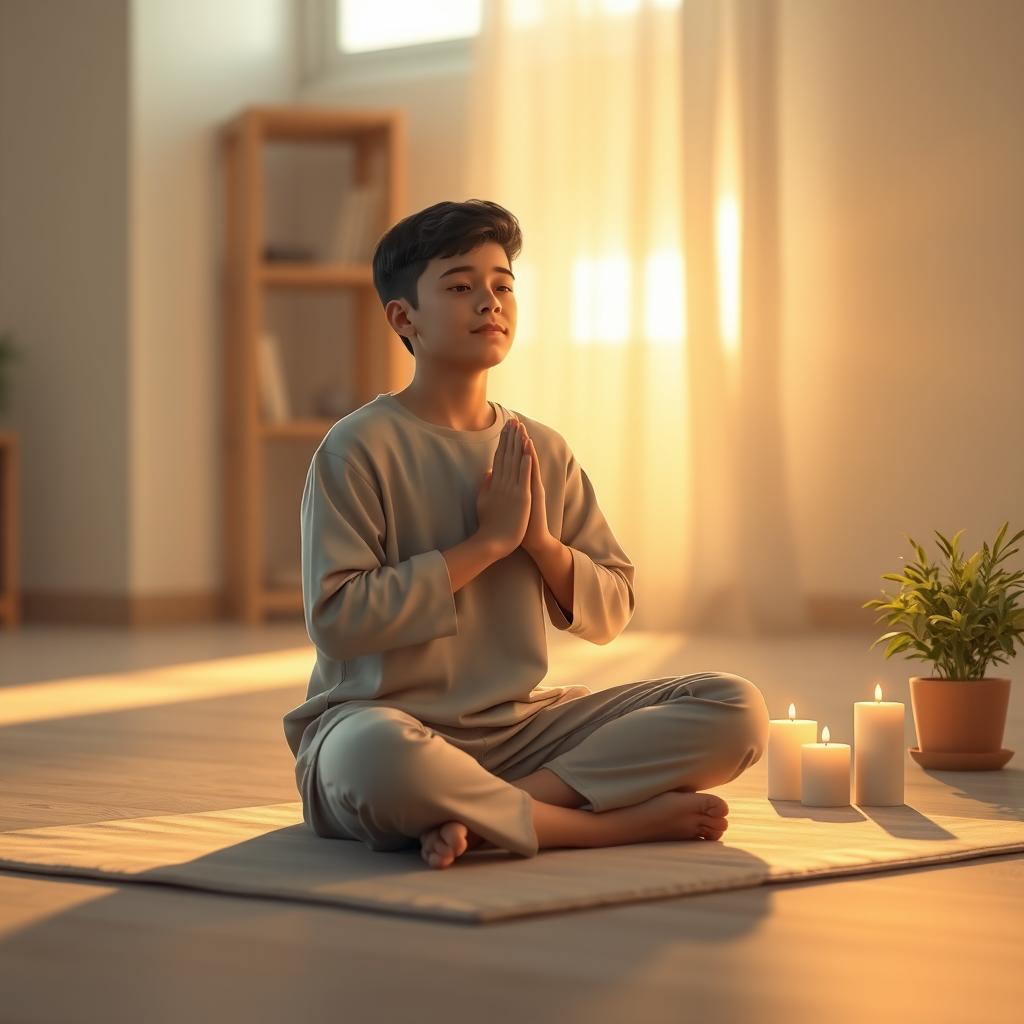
(588, 7)
(285, 670)
(528, 13)
(173, 684)
(792, 712)
(665, 297)
(385, 24)
(878, 691)
(601, 300)
(727, 234)
(824, 735)
(728, 191)
(524, 13)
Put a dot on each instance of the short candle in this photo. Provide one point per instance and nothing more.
(878, 751)
(825, 773)
(785, 738)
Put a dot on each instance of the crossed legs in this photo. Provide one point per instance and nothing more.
(386, 778)
(677, 814)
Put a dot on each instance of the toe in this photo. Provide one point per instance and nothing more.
(437, 855)
(715, 806)
(454, 836)
(434, 848)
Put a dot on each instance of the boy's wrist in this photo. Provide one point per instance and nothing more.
(492, 548)
(541, 548)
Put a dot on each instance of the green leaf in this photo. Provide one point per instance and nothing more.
(897, 644)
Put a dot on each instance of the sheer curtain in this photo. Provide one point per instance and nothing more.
(635, 143)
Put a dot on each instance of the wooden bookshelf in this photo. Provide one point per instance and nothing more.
(10, 500)
(375, 135)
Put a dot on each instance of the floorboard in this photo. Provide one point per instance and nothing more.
(939, 943)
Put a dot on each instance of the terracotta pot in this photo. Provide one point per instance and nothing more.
(959, 715)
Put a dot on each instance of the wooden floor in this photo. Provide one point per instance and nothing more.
(940, 943)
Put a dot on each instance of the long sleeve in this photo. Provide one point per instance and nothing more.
(603, 599)
(353, 603)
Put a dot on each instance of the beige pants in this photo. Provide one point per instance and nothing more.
(383, 777)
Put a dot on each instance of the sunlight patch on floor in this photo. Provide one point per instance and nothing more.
(199, 680)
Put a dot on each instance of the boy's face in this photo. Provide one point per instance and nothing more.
(453, 302)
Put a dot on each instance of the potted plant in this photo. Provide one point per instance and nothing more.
(960, 622)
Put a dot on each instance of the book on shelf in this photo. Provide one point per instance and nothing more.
(358, 225)
(273, 386)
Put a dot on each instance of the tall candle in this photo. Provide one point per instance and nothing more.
(785, 738)
(878, 751)
(825, 773)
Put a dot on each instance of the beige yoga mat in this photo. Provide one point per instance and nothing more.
(268, 851)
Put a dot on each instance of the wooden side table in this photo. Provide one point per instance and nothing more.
(10, 495)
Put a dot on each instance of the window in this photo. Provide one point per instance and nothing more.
(358, 42)
(364, 25)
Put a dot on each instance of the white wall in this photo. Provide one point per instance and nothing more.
(110, 240)
(194, 65)
(64, 257)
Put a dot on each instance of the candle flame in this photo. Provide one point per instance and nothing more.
(824, 735)
(792, 712)
(878, 691)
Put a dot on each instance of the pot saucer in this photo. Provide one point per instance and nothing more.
(956, 762)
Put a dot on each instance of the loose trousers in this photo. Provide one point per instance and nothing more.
(384, 777)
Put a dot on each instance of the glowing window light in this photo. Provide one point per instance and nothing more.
(665, 296)
(385, 24)
(727, 236)
(601, 298)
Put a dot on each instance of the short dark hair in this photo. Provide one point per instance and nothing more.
(442, 230)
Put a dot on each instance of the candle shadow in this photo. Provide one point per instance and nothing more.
(795, 809)
(903, 822)
(906, 822)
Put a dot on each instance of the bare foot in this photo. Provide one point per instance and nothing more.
(683, 815)
(440, 846)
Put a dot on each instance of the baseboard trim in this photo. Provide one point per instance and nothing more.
(87, 609)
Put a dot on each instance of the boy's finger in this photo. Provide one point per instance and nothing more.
(503, 453)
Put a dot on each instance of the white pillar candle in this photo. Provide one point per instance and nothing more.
(785, 738)
(878, 751)
(825, 773)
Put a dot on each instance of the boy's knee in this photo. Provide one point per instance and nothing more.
(370, 757)
(748, 729)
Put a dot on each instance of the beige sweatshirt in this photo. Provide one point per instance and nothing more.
(386, 492)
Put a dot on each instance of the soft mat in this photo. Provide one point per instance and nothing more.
(267, 851)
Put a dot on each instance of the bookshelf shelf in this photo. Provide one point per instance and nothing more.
(376, 139)
(280, 599)
(297, 430)
(316, 275)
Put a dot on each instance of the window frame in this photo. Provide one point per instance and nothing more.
(324, 68)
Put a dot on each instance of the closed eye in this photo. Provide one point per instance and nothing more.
(505, 286)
